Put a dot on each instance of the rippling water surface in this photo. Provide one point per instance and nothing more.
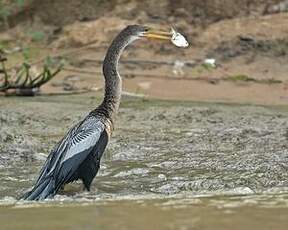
(169, 165)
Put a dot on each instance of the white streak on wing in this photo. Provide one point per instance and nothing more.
(84, 144)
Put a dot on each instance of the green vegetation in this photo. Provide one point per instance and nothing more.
(207, 66)
(240, 77)
(24, 78)
(202, 68)
(3, 44)
(36, 36)
(4, 13)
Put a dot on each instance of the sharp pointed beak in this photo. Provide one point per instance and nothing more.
(175, 37)
(157, 34)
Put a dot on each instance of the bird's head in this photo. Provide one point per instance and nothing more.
(175, 37)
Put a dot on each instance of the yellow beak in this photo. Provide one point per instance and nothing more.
(175, 37)
(157, 34)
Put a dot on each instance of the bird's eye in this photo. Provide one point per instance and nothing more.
(146, 29)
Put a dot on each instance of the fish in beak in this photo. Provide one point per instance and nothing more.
(175, 37)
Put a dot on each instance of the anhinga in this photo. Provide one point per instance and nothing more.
(78, 154)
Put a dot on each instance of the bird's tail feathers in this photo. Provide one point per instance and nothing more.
(42, 190)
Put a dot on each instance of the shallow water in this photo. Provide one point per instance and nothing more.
(190, 213)
(169, 165)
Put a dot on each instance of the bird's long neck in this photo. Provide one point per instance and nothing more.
(113, 82)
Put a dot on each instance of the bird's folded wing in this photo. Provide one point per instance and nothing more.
(72, 150)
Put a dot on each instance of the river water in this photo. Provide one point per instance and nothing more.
(169, 165)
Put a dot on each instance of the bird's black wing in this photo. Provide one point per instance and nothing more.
(67, 156)
(57, 152)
